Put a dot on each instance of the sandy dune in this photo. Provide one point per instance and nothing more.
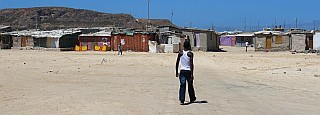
(233, 82)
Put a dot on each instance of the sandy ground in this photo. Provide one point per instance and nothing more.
(233, 82)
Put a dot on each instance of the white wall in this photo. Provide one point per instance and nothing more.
(298, 42)
(316, 41)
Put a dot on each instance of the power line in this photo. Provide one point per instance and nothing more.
(171, 18)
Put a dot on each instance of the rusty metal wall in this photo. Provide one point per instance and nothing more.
(137, 43)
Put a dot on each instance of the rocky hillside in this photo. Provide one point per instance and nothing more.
(60, 17)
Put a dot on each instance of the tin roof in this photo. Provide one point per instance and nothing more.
(3, 26)
(39, 34)
(101, 33)
(271, 33)
(245, 35)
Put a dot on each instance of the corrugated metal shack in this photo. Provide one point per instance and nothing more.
(44, 39)
(241, 39)
(131, 41)
(301, 40)
(4, 29)
(170, 40)
(271, 41)
(96, 39)
(19, 38)
(5, 41)
(228, 40)
(204, 40)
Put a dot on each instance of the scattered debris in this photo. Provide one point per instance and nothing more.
(299, 69)
(51, 71)
(104, 60)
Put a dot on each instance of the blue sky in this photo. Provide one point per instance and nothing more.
(199, 13)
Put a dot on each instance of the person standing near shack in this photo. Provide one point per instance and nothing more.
(186, 73)
(120, 49)
(120, 46)
(247, 44)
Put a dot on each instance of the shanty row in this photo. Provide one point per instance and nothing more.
(163, 39)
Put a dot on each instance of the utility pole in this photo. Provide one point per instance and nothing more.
(275, 22)
(148, 10)
(296, 22)
(284, 24)
(148, 23)
(314, 24)
(36, 23)
(258, 25)
(212, 26)
(190, 23)
(250, 27)
(35, 18)
(171, 18)
(245, 24)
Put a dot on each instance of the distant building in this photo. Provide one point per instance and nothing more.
(130, 41)
(98, 39)
(4, 29)
(203, 40)
(301, 40)
(228, 40)
(241, 39)
(43, 39)
(5, 41)
(136, 41)
(316, 41)
(271, 41)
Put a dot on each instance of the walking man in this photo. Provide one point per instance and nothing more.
(247, 44)
(186, 73)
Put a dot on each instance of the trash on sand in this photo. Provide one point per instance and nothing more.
(104, 60)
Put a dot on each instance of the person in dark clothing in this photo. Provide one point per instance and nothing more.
(186, 73)
(120, 49)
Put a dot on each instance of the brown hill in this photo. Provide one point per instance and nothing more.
(60, 17)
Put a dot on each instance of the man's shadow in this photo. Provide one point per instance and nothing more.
(196, 102)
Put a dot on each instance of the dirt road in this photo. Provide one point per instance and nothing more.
(233, 82)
